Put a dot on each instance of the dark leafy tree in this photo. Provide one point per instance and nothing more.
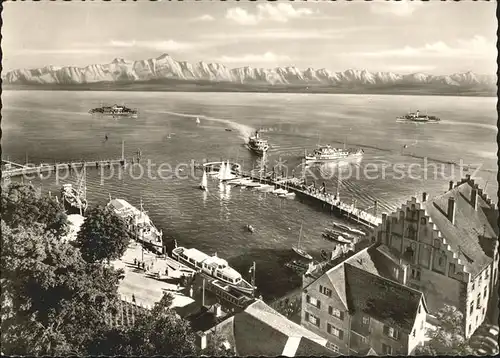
(52, 300)
(215, 346)
(102, 236)
(24, 206)
(157, 332)
(448, 338)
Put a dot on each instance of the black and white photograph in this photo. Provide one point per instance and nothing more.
(249, 178)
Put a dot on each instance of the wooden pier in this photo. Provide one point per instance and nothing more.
(327, 201)
(44, 168)
(11, 169)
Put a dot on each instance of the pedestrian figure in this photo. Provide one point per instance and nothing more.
(133, 298)
(135, 261)
(178, 286)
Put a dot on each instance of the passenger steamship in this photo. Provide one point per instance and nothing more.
(213, 266)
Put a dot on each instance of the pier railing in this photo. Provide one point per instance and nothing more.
(347, 210)
(43, 168)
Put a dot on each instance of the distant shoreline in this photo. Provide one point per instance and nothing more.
(390, 93)
(183, 86)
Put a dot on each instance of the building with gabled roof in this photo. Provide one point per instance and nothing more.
(447, 247)
(259, 330)
(361, 312)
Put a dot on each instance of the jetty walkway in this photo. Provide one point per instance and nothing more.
(11, 169)
(325, 200)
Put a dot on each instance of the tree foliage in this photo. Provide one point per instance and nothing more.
(102, 236)
(157, 332)
(55, 302)
(52, 300)
(23, 206)
(449, 337)
(215, 346)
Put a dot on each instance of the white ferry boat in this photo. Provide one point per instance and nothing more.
(327, 153)
(257, 144)
(139, 222)
(418, 117)
(213, 266)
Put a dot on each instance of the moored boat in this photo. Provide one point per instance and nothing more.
(138, 221)
(337, 238)
(348, 228)
(213, 266)
(75, 200)
(338, 232)
(300, 251)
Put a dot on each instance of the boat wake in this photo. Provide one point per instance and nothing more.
(243, 130)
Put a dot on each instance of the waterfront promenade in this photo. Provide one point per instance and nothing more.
(148, 285)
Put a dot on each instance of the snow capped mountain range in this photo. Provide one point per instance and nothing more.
(165, 67)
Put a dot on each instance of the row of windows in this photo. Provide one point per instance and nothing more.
(478, 300)
(332, 311)
(325, 290)
(334, 331)
(414, 333)
(387, 349)
(391, 332)
(312, 319)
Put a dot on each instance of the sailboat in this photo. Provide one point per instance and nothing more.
(197, 120)
(75, 200)
(204, 182)
(299, 251)
(222, 171)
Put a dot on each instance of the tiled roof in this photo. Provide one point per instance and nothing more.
(387, 301)
(308, 348)
(260, 330)
(464, 236)
(367, 259)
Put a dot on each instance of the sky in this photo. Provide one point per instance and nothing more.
(403, 37)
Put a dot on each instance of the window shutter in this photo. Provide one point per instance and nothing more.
(320, 288)
(397, 334)
(341, 315)
(319, 304)
(330, 310)
(308, 299)
(307, 316)
(329, 328)
(341, 334)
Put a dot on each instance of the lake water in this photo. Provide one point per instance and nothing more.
(47, 126)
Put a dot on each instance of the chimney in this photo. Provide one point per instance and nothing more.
(424, 197)
(403, 271)
(201, 339)
(217, 310)
(473, 198)
(451, 185)
(451, 210)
